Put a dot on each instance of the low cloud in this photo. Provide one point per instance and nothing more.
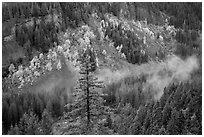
(158, 74)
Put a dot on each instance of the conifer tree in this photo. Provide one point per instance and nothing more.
(88, 109)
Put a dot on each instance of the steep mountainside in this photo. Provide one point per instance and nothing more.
(147, 55)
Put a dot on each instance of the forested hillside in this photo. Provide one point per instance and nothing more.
(102, 68)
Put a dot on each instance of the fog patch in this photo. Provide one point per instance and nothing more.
(158, 74)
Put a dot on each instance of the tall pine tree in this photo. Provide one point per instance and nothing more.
(88, 113)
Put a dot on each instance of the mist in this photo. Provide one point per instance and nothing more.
(56, 80)
(158, 74)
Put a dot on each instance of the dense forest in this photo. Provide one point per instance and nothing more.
(77, 43)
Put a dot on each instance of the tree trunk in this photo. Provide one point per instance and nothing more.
(88, 105)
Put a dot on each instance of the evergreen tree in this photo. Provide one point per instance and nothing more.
(46, 122)
(173, 124)
(88, 109)
(28, 125)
